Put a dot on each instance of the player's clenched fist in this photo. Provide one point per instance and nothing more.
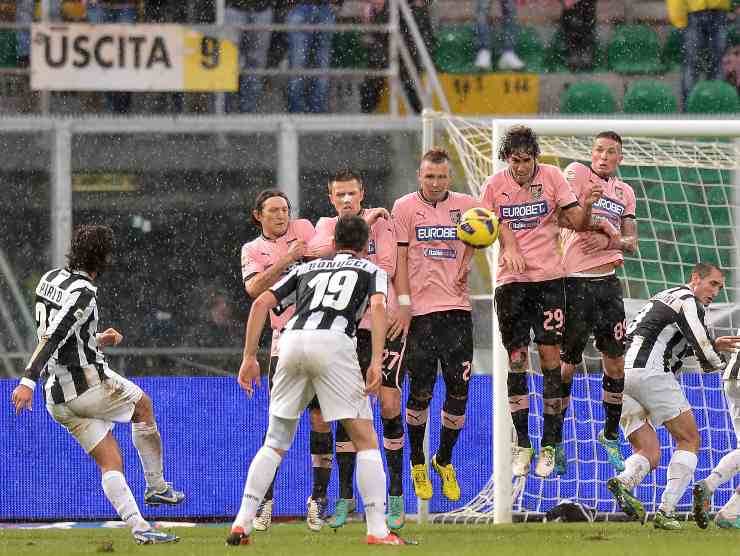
(595, 194)
(110, 337)
(22, 398)
(297, 249)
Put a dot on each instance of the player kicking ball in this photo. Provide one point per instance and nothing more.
(82, 393)
(318, 357)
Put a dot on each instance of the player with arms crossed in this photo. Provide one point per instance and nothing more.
(318, 358)
(526, 198)
(728, 517)
(264, 260)
(593, 295)
(431, 279)
(346, 193)
(667, 329)
(82, 393)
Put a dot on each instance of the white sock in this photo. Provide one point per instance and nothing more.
(117, 492)
(371, 484)
(680, 472)
(725, 470)
(261, 473)
(636, 468)
(148, 443)
(732, 508)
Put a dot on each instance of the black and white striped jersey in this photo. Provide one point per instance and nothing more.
(668, 328)
(732, 370)
(67, 323)
(331, 293)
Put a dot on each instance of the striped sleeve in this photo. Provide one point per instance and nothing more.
(75, 311)
(378, 283)
(690, 321)
(286, 285)
(732, 370)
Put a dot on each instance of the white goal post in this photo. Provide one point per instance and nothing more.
(674, 143)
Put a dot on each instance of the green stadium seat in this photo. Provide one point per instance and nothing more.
(671, 55)
(530, 48)
(649, 97)
(634, 49)
(8, 55)
(455, 50)
(587, 97)
(733, 36)
(348, 50)
(713, 97)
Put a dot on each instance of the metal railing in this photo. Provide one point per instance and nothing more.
(399, 54)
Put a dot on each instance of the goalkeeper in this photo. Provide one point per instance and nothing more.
(593, 295)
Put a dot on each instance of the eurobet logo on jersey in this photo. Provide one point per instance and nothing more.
(610, 205)
(525, 210)
(436, 233)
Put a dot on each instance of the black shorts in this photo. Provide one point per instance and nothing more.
(593, 305)
(393, 367)
(445, 337)
(525, 306)
(313, 404)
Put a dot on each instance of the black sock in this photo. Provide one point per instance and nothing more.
(552, 426)
(393, 442)
(521, 424)
(321, 476)
(321, 460)
(565, 391)
(416, 442)
(453, 420)
(613, 390)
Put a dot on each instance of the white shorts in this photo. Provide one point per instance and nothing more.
(650, 396)
(322, 363)
(90, 416)
(732, 395)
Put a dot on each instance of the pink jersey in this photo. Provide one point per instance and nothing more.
(261, 253)
(617, 202)
(381, 250)
(435, 255)
(531, 213)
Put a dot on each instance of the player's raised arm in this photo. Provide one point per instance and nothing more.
(378, 332)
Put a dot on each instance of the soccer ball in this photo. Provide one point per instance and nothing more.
(478, 228)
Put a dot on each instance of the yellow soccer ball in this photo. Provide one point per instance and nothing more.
(478, 228)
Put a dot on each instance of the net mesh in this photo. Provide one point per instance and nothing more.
(686, 207)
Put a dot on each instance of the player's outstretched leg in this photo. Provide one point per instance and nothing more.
(702, 503)
(728, 517)
(453, 420)
(627, 502)
(346, 455)
(417, 413)
(518, 392)
(552, 421)
(393, 441)
(148, 444)
(612, 389)
(321, 459)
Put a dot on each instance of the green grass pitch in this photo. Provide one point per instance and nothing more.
(293, 539)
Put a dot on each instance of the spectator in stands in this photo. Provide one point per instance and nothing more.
(216, 325)
(508, 60)
(113, 11)
(376, 11)
(704, 24)
(253, 46)
(278, 39)
(578, 26)
(24, 16)
(731, 67)
(167, 11)
(310, 49)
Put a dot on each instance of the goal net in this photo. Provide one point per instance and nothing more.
(685, 181)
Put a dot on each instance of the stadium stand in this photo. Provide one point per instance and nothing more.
(649, 97)
(713, 97)
(587, 97)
